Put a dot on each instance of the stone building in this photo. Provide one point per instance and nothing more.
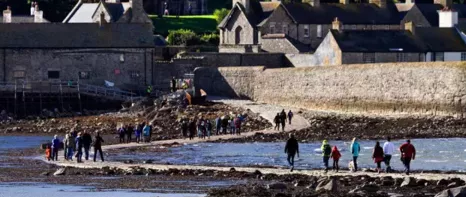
(427, 14)
(251, 26)
(414, 44)
(114, 11)
(36, 16)
(91, 53)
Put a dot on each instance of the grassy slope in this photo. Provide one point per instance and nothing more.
(197, 23)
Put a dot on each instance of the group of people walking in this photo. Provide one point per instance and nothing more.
(142, 132)
(75, 144)
(204, 128)
(379, 154)
(280, 119)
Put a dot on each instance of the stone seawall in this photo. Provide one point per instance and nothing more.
(434, 89)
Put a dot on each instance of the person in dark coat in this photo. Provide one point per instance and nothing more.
(192, 129)
(184, 128)
(173, 84)
(225, 124)
(87, 141)
(129, 132)
(377, 156)
(283, 119)
(79, 148)
(55, 148)
(122, 133)
(290, 116)
(277, 121)
(291, 148)
(98, 146)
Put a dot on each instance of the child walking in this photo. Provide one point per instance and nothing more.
(336, 157)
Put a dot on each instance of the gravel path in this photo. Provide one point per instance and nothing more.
(266, 111)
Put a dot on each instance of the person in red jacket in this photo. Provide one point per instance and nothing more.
(336, 157)
(408, 153)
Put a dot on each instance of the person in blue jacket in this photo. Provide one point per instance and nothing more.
(55, 147)
(79, 148)
(355, 149)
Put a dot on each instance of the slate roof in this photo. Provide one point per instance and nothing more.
(298, 45)
(354, 13)
(441, 39)
(82, 35)
(380, 41)
(259, 12)
(23, 19)
(424, 39)
(430, 11)
(83, 12)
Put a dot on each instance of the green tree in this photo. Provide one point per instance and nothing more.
(182, 37)
(220, 14)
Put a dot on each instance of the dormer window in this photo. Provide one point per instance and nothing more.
(285, 29)
(306, 31)
(272, 27)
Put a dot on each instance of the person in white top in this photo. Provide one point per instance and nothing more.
(388, 150)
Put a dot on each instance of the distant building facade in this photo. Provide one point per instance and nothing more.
(91, 52)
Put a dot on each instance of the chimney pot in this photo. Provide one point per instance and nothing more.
(7, 15)
(409, 26)
(345, 2)
(336, 24)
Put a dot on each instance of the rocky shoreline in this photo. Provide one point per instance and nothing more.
(346, 127)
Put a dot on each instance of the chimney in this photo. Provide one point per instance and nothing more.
(246, 4)
(447, 17)
(314, 3)
(113, 1)
(336, 24)
(409, 26)
(33, 8)
(7, 15)
(38, 15)
(345, 2)
(380, 3)
(102, 20)
(409, 2)
(445, 3)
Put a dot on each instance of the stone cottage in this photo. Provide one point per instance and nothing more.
(414, 44)
(252, 26)
(91, 53)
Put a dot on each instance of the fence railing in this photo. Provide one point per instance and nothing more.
(67, 87)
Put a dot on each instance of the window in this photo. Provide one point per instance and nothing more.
(53, 74)
(134, 74)
(463, 56)
(285, 29)
(306, 31)
(400, 57)
(19, 74)
(272, 27)
(368, 57)
(438, 57)
(84, 75)
(319, 31)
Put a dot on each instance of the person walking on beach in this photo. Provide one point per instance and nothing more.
(277, 121)
(291, 148)
(87, 141)
(146, 132)
(184, 128)
(355, 149)
(121, 133)
(98, 146)
(336, 157)
(192, 129)
(290, 116)
(65, 146)
(129, 132)
(388, 150)
(408, 153)
(208, 128)
(218, 125)
(79, 148)
(55, 147)
(377, 156)
(69, 144)
(237, 122)
(224, 124)
(326, 153)
(137, 132)
(283, 119)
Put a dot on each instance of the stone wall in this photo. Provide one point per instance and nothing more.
(125, 67)
(270, 60)
(425, 88)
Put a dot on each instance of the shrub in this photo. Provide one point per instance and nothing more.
(220, 14)
(182, 37)
(210, 39)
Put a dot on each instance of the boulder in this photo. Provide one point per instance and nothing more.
(331, 186)
(453, 192)
(408, 182)
(148, 161)
(421, 182)
(452, 185)
(442, 182)
(278, 186)
(45, 174)
(365, 188)
(61, 171)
